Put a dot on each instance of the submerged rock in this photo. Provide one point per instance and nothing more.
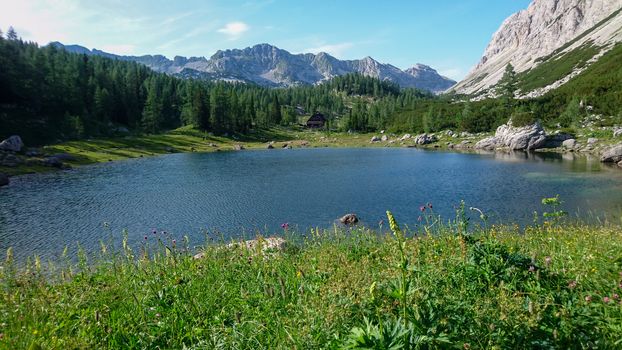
(612, 154)
(13, 144)
(349, 219)
(528, 137)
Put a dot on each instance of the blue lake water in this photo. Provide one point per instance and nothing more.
(242, 193)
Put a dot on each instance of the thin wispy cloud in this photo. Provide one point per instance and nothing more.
(234, 29)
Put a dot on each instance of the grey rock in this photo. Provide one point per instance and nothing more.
(570, 144)
(406, 137)
(270, 146)
(375, 139)
(617, 132)
(384, 138)
(620, 164)
(424, 139)
(528, 137)
(349, 219)
(4, 179)
(592, 141)
(530, 37)
(13, 144)
(238, 147)
(612, 154)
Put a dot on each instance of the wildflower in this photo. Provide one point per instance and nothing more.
(466, 346)
(532, 268)
(419, 219)
(154, 231)
(615, 296)
(430, 205)
(588, 298)
(572, 284)
(157, 315)
(145, 238)
(174, 241)
(606, 300)
(285, 226)
(547, 261)
(422, 208)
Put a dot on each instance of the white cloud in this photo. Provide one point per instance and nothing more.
(234, 29)
(336, 50)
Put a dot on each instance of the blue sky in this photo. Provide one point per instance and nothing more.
(449, 35)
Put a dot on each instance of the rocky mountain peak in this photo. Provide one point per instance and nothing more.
(544, 27)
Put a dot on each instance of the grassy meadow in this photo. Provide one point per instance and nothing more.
(442, 285)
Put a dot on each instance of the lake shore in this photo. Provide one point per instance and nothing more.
(185, 140)
(497, 287)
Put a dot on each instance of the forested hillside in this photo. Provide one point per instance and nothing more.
(48, 94)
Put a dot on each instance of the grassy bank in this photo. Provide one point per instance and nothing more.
(547, 286)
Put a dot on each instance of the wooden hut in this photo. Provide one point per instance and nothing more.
(316, 121)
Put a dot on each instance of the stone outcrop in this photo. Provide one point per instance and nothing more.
(528, 137)
(12, 144)
(612, 154)
(425, 139)
(530, 37)
(570, 144)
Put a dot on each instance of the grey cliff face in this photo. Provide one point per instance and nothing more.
(544, 27)
(268, 65)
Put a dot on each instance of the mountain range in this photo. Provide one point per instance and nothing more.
(267, 65)
(548, 44)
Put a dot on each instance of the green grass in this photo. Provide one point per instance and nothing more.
(555, 68)
(435, 287)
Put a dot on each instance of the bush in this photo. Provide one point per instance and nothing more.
(520, 119)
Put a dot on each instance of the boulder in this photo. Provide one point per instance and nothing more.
(237, 147)
(612, 154)
(375, 139)
(528, 137)
(617, 132)
(13, 144)
(259, 245)
(450, 133)
(4, 180)
(349, 219)
(270, 146)
(385, 138)
(425, 139)
(465, 134)
(592, 141)
(405, 137)
(570, 144)
(620, 164)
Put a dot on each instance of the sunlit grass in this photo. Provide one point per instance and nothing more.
(548, 285)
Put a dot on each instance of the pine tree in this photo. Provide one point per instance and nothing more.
(11, 34)
(152, 113)
(507, 85)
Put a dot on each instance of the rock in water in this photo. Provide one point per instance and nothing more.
(4, 180)
(349, 219)
(13, 144)
(528, 137)
(612, 154)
